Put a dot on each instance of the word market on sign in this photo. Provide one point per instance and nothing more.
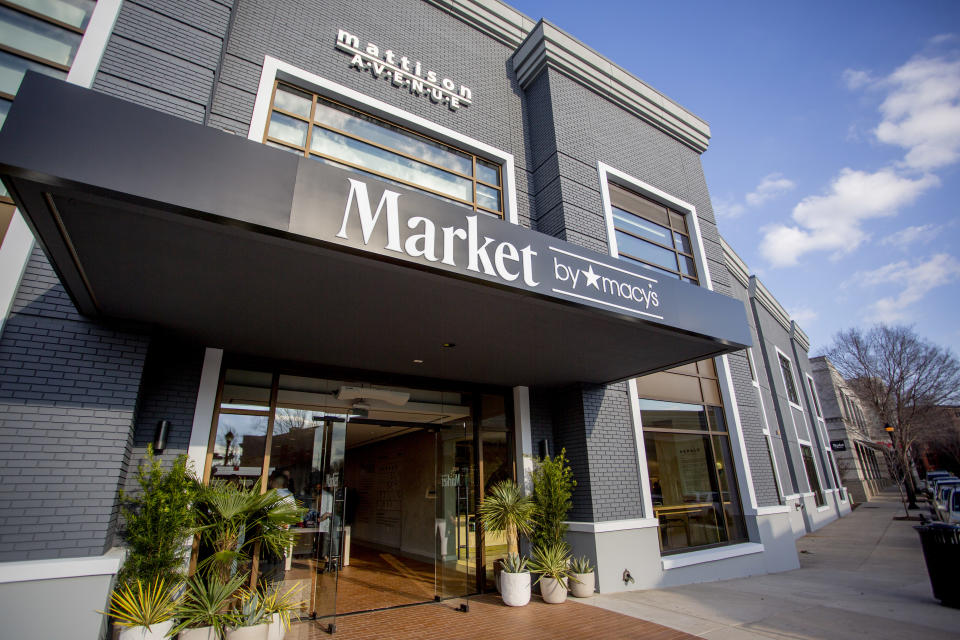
(447, 245)
(404, 72)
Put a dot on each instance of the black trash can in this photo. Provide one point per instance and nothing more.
(941, 551)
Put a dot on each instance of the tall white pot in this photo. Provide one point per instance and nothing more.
(201, 633)
(276, 629)
(515, 588)
(583, 584)
(553, 591)
(155, 632)
(256, 632)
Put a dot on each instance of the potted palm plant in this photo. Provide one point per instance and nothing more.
(552, 563)
(233, 519)
(584, 580)
(506, 509)
(144, 610)
(205, 610)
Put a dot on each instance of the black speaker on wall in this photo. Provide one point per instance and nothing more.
(543, 450)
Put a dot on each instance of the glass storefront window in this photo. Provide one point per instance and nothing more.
(238, 448)
(692, 476)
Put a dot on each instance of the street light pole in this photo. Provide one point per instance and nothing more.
(905, 463)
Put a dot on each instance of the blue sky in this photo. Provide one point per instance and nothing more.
(834, 166)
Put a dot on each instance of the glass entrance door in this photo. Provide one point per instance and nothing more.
(456, 551)
(328, 499)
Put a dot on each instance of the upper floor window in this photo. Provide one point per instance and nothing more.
(813, 396)
(652, 235)
(37, 35)
(788, 379)
(312, 125)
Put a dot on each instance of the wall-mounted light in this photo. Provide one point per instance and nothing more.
(160, 436)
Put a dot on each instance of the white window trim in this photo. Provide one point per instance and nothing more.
(786, 391)
(274, 68)
(766, 429)
(748, 497)
(812, 387)
(613, 525)
(204, 409)
(18, 242)
(675, 561)
(650, 191)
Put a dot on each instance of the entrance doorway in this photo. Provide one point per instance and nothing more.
(390, 478)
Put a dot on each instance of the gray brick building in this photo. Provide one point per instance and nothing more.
(451, 236)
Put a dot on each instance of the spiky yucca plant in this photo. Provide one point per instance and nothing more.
(207, 602)
(136, 604)
(283, 603)
(552, 562)
(505, 508)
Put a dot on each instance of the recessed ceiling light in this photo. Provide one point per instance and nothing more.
(418, 361)
(449, 345)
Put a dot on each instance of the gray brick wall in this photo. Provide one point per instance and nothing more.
(68, 392)
(751, 412)
(611, 447)
(171, 380)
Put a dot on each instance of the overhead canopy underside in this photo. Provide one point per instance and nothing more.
(148, 218)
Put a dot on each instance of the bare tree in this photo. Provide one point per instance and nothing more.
(903, 378)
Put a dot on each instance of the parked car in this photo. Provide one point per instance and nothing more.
(952, 513)
(941, 496)
(927, 484)
(935, 482)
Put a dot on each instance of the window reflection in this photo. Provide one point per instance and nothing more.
(13, 67)
(75, 13)
(360, 153)
(336, 134)
(238, 448)
(33, 36)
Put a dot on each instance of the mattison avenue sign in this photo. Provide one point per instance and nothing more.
(400, 225)
(403, 72)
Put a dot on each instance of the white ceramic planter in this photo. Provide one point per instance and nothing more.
(256, 632)
(156, 632)
(276, 630)
(584, 588)
(553, 591)
(515, 588)
(201, 633)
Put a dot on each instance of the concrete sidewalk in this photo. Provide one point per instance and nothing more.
(862, 576)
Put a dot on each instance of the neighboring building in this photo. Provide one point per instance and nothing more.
(390, 253)
(856, 437)
(804, 472)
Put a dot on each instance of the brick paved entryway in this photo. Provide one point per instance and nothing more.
(489, 618)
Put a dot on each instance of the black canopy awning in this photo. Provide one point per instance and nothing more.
(151, 218)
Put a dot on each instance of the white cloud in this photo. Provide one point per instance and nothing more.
(917, 280)
(728, 208)
(770, 187)
(803, 315)
(902, 239)
(832, 222)
(921, 112)
(855, 79)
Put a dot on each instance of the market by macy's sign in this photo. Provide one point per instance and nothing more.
(527, 260)
(403, 72)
